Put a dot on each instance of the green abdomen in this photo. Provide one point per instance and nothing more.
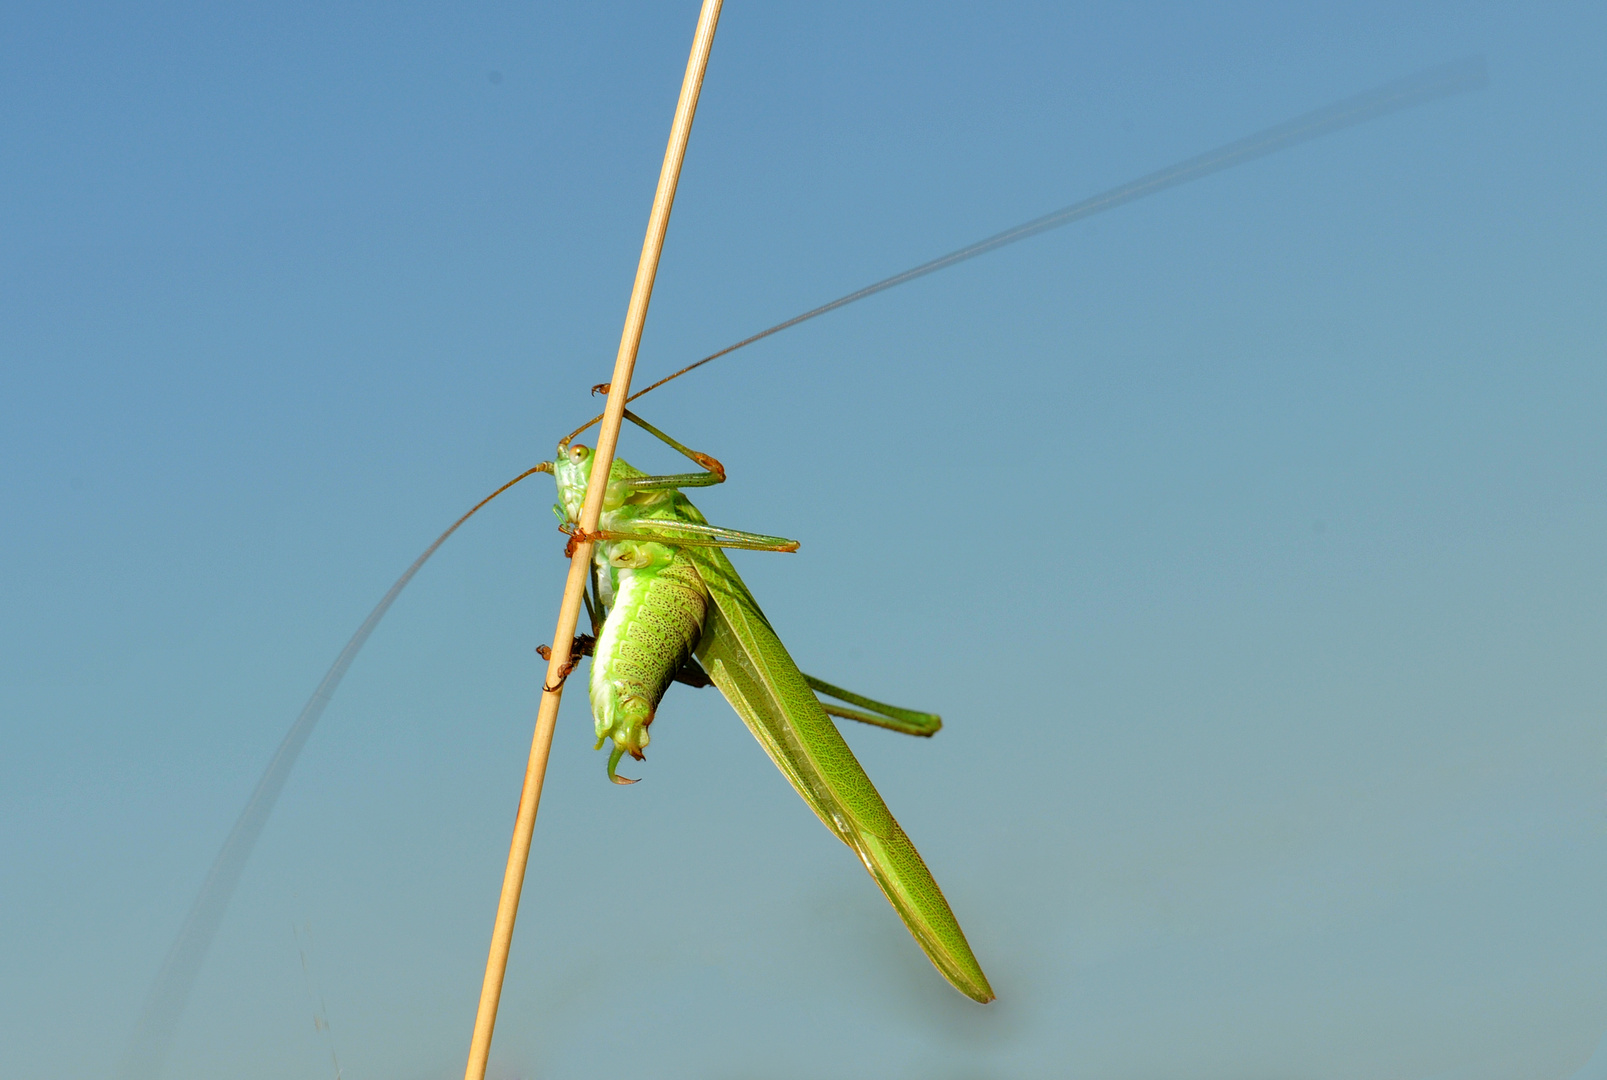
(654, 625)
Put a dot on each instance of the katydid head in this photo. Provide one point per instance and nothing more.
(572, 470)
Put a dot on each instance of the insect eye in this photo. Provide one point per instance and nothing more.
(578, 454)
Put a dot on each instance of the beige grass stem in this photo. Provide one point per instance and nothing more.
(569, 611)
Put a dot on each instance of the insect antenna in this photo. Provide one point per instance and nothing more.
(320, 1016)
(170, 990)
(1445, 80)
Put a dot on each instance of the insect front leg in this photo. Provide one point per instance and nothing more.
(713, 472)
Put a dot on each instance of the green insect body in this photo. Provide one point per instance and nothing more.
(655, 621)
(669, 593)
(655, 599)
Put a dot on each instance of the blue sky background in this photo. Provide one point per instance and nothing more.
(1274, 508)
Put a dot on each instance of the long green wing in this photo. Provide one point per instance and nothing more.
(747, 661)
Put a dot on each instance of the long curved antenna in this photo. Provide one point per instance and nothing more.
(169, 993)
(1445, 80)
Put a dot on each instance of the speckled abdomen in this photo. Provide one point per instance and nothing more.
(651, 630)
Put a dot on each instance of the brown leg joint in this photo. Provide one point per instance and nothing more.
(583, 646)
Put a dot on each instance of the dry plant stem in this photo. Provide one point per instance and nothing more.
(569, 612)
